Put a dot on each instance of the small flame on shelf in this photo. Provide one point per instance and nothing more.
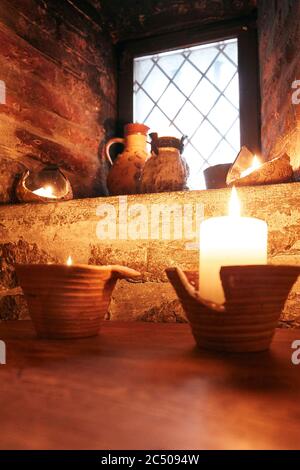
(46, 191)
(255, 165)
(234, 204)
(69, 261)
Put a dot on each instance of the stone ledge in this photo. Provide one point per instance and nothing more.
(41, 233)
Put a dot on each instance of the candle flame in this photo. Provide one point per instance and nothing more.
(234, 204)
(46, 191)
(255, 165)
(69, 261)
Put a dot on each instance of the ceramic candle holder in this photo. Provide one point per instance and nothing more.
(69, 301)
(246, 322)
(33, 186)
(278, 170)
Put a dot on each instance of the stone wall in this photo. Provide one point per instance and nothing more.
(42, 233)
(279, 37)
(57, 62)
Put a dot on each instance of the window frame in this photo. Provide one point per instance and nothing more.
(245, 30)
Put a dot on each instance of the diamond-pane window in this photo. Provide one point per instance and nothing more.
(194, 92)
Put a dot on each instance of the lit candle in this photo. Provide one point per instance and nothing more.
(45, 192)
(69, 261)
(255, 165)
(229, 241)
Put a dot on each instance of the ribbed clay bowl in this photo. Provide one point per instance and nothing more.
(69, 301)
(255, 297)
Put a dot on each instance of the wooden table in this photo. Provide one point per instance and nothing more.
(145, 386)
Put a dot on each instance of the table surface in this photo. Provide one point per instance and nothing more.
(145, 386)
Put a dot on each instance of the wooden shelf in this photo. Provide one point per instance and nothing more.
(145, 386)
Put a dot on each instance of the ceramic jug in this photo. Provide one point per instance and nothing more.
(125, 172)
(166, 169)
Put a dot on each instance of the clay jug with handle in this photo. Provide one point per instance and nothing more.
(124, 175)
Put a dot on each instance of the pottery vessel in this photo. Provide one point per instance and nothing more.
(69, 301)
(246, 322)
(124, 175)
(215, 176)
(277, 170)
(50, 176)
(166, 169)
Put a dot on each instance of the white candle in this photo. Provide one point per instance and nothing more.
(229, 241)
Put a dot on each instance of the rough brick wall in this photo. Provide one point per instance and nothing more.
(57, 61)
(58, 65)
(279, 37)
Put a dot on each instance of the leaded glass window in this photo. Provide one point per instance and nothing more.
(195, 92)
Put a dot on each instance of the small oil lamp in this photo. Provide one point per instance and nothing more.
(69, 300)
(48, 185)
(249, 170)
